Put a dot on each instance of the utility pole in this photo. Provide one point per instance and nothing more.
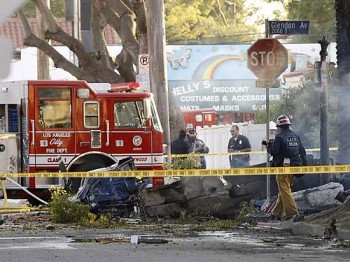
(157, 66)
(72, 14)
(324, 153)
(43, 62)
(267, 120)
(85, 28)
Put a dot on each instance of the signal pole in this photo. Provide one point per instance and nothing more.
(324, 149)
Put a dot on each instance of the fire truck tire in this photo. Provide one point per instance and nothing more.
(72, 184)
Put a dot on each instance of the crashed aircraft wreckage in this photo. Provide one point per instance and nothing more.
(128, 197)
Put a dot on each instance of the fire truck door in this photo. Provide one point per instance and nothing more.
(129, 134)
(52, 131)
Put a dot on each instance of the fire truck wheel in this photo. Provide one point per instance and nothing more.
(72, 184)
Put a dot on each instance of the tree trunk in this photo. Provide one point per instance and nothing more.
(170, 114)
(343, 57)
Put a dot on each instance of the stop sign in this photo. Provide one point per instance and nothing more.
(267, 58)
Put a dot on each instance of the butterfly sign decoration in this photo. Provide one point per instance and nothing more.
(179, 61)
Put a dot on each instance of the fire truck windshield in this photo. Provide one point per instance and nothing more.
(128, 114)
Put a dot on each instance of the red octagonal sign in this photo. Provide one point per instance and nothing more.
(267, 58)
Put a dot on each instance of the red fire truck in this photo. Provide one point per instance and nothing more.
(88, 126)
(199, 117)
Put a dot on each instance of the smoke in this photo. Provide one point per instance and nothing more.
(344, 125)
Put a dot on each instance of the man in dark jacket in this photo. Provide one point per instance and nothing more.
(180, 145)
(197, 146)
(286, 149)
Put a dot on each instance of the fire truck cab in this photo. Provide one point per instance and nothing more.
(88, 126)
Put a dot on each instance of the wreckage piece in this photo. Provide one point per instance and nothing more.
(209, 195)
(308, 201)
(318, 198)
(112, 195)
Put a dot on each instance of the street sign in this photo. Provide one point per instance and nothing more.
(267, 83)
(288, 27)
(143, 64)
(267, 59)
(143, 75)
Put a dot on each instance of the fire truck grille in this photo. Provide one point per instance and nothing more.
(95, 139)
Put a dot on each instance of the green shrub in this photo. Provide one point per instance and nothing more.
(189, 162)
(65, 211)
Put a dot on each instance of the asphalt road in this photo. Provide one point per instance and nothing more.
(114, 245)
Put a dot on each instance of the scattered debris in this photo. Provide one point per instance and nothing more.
(331, 230)
(50, 227)
(134, 239)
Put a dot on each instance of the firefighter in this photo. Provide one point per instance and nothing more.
(237, 144)
(286, 149)
(197, 146)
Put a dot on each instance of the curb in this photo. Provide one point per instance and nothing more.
(306, 229)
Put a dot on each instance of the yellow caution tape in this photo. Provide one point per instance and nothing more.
(249, 171)
(242, 153)
(197, 172)
(8, 210)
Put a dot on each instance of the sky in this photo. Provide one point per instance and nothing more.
(265, 11)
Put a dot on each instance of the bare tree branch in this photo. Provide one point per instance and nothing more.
(139, 8)
(127, 28)
(221, 13)
(127, 17)
(46, 14)
(98, 23)
(59, 61)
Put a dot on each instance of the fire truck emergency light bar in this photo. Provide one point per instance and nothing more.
(125, 87)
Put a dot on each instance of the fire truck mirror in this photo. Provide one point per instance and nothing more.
(23, 107)
(2, 148)
(147, 122)
(147, 109)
